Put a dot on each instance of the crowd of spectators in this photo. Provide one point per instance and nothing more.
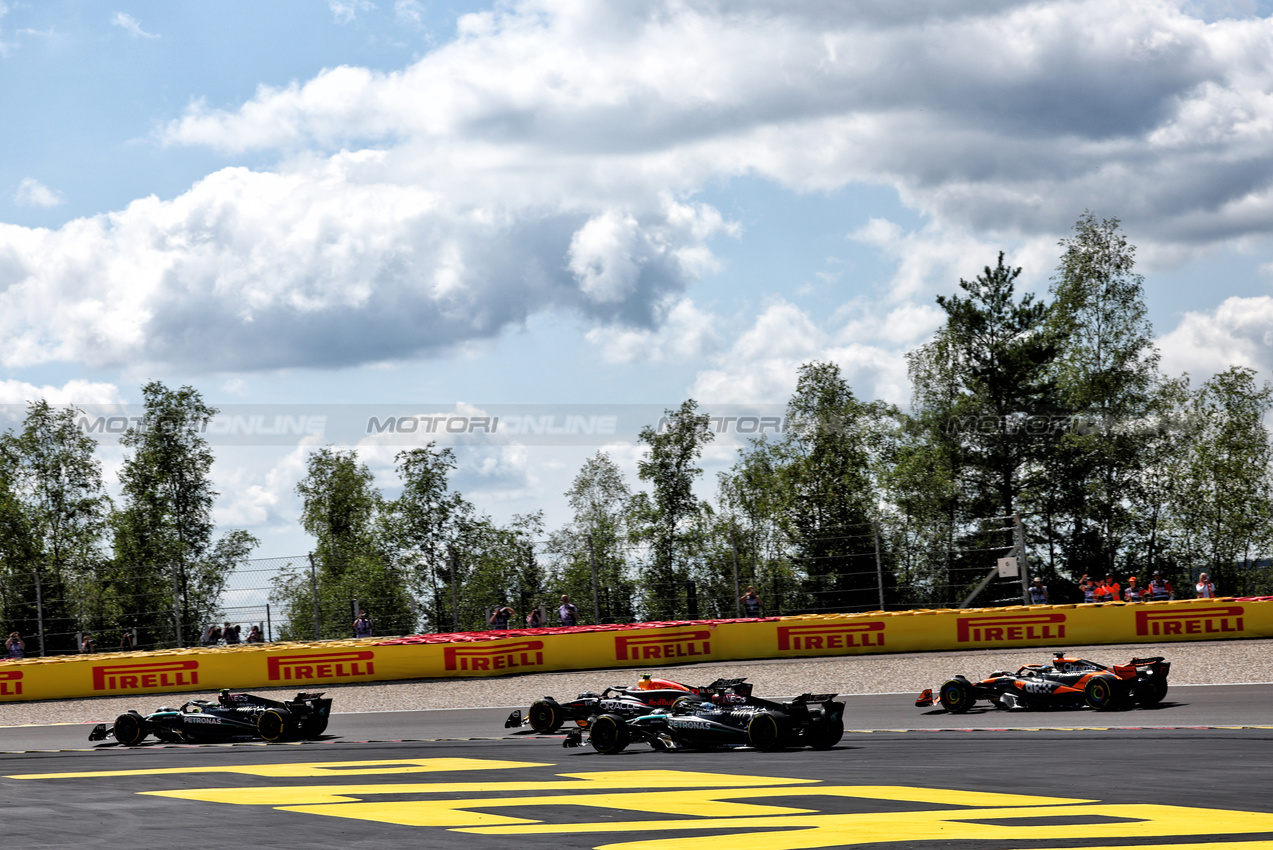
(1106, 589)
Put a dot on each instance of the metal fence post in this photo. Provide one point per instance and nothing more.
(592, 564)
(313, 584)
(1018, 534)
(879, 565)
(176, 606)
(738, 597)
(455, 600)
(39, 609)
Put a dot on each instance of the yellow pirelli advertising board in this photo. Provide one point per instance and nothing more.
(309, 666)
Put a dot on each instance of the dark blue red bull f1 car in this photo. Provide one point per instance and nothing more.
(723, 720)
(1065, 683)
(548, 715)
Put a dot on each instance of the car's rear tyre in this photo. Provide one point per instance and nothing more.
(545, 716)
(130, 730)
(685, 705)
(825, 734)
(956, 696)
(609, 734)
(274, 725)
(312, 727)
(766, 731)
(1151, 693)
(1101, 693)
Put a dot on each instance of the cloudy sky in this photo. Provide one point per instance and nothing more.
(449, 206)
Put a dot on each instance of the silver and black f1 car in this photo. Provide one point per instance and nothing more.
(1065, 683)
(722, 721)
(548, 715)
(232, 716)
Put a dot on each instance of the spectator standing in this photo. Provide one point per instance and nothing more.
(1088, 587)
(535, 619)
(362, 625)
(214, 636)
(1133, 592)
(231, 634)
(86, 646)
(500, 616)
(751, 602)
(1204, 589)
(255, 635)
(15, 646)
(1115, 590)
(1038, 592)
(126, 642)
(567, 614)
(1159, 588)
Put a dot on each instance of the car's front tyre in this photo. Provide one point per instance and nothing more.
(956, 696)
(130, 729)
(545, 716)
(609, 734)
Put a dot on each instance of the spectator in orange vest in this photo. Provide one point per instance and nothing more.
(1133, 591)
(1204, 589)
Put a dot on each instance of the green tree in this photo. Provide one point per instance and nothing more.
(166, 565)
(984, 407)
(498, 566)
(1222, 510)
(596, 535)
(827, 470)
(340, 510)
(665, 518)
(422, 525)
(753, 508)
(1106, 371)
(56, 509)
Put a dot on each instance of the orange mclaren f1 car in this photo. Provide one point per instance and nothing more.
(1065, 683)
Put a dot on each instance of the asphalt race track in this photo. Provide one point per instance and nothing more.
(1192, 774)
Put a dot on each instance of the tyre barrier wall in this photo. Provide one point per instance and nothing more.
(308, 666)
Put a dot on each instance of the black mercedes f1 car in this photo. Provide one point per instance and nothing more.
(1065, 683)
(722, 721)
(233, 716)
(548, 715)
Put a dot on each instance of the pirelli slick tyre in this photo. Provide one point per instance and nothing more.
(686, 704)
(130, 730)
(766, 731)
(956, 696)
(312, 727)
(545, 716)
(274, 724)
(1102, 693)
(825, 734)
(609, 734)
(1152, 693)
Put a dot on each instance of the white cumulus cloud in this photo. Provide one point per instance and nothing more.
(33, 193)
(131, 25)
(547, 158)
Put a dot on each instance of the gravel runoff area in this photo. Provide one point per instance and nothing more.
(1200, 663)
